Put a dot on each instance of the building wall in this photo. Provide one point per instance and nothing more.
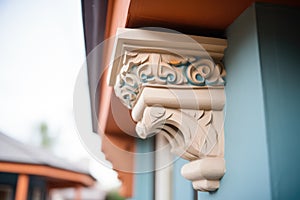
(144, 188)
(182, 188)
(246, 154)
(144, 178)
(37, 188)
(9, 180)
(279, 41)
(262, 112)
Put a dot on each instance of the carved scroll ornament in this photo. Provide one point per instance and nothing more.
(182, 98)
(164, 69)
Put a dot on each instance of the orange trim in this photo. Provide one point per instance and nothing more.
(115, 143)
(116, 148)
(78, 193)
(22, 187)
(46, 171)
(127, 183)
(117, 11)
(192, 16)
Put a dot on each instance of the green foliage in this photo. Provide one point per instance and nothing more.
(46, 140)
(114, 195)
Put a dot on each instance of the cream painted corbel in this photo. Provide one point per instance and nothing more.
(175, 87)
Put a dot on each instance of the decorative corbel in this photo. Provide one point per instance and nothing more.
(175, 87)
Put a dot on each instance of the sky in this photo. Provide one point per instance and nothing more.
(42, 51)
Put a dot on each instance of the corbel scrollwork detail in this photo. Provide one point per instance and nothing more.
(192, 116)
(165, 69)
(192, 133)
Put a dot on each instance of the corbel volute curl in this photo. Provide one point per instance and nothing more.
(156, 68)
(182, 97)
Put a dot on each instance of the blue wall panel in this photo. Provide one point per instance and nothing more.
(279, 39)
(247, 176)
(143, 180)
(182, 188)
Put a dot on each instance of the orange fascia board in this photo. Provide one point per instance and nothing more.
(112, 135)
(117, 13)
(127, 183)
(116, 148)
(48, 172)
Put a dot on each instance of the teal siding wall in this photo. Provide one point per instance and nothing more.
(246, 154)
(262, 125)
(143, 182)
(279, 39)
(182, 188)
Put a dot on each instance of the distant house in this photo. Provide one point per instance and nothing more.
(28, 172)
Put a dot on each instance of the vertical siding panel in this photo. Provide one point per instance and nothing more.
(182, 188)
(143, 180)
(279, 39)
(247, 176)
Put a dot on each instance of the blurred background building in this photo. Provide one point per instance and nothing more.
(42, 51)
(27, 172)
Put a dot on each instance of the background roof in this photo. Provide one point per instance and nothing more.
(14, 151)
